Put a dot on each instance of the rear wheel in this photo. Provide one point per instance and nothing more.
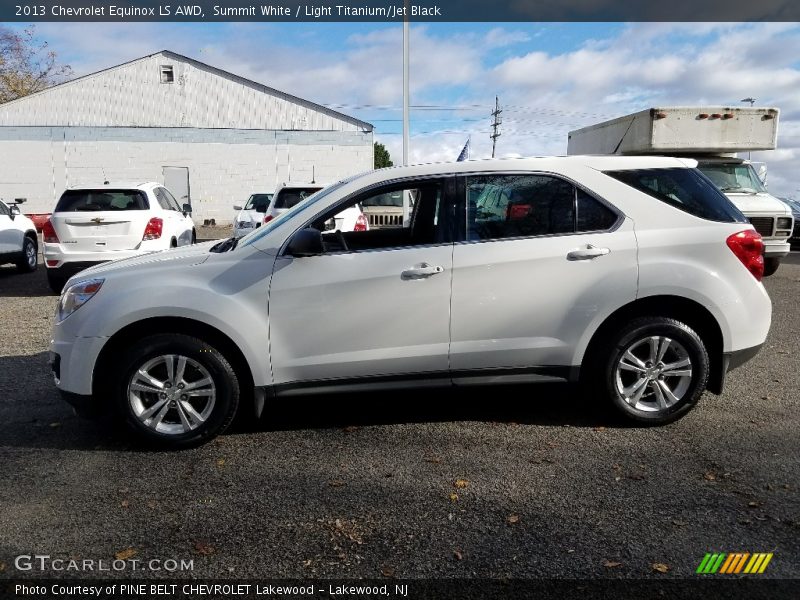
(30, 259)
(175, 390)
(56, 282)
(655, 370)
(771, 266)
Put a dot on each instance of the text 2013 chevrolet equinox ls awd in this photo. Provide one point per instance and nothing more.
(635, 274)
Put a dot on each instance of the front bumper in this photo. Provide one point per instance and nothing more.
(72, 362)
(776, 248)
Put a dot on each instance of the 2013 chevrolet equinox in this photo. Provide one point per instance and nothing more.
(634, 273)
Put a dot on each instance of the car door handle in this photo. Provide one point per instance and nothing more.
(587, 253)
(421, 271)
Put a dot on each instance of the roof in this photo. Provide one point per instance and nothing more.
(116, 185)
(209, 68)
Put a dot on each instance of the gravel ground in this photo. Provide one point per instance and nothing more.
(517, 482)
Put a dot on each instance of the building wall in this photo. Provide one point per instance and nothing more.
(225, 165)
(132, 95)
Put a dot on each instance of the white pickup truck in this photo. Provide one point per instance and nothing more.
(713, 135)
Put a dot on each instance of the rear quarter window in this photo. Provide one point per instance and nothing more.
(102, 200)
(289, 197)
(685, 189)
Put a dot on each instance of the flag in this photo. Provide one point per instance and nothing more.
(464, 152)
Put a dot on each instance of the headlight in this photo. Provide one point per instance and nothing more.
(76, 296)
(784, 223)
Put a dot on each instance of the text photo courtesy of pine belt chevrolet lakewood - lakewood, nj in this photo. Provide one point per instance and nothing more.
(354, 302)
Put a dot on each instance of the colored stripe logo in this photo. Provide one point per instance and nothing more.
(734, 563)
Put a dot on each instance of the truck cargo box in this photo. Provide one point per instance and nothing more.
(680, 130)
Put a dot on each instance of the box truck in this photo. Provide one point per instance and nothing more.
(712, 135)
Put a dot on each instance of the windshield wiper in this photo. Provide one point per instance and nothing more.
(739, 189)
(225, 245)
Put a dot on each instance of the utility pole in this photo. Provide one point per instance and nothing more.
(496, 124)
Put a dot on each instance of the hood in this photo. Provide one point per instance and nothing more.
(187, 256)
(758, 203)
(252, 216)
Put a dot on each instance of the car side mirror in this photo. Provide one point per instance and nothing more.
(237, 207)
(306, 242)
(13, 210)
(187, 210)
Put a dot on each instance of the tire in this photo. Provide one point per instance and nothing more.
(56, 282)
(771, 266)
(170, 418)
(30, 259)
(649, 402)
(194, 236)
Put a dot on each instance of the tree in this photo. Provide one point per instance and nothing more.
(382, 158)
(27, 65)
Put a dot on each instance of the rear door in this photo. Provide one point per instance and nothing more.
(180, 226)
(540, 259)
(100, 220)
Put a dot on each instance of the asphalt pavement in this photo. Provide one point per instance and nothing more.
(515, 482)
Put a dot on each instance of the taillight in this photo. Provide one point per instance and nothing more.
(268, 218)
(49, 234)
(361, 223)
(748, 248)
(153, 230)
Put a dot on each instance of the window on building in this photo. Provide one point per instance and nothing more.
(167, 74)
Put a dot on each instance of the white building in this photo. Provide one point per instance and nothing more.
(205, 133)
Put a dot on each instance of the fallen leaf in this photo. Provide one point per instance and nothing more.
(754, 504)
(611, 564)
(636, 476)
(54, 425)
(124, 504)
(710, 476)
(458, 555)
(454, 497)
(745, 521)
(433, 459)
(336, 483)
(617, 478)
(151, 504)
(570, 551)
(512, 519)
(221, 462)
(125, 554)
(307, 563)
(601, 428)
(204, 548)
(679, 523)
(660, 567)
(387, 571)
(350, 429)
(2, 567)
(461, 483)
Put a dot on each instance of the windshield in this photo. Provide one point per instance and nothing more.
(733, 177)
(256, 235)
(289, 197)
(258, 202)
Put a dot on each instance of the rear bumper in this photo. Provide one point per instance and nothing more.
(730, 361)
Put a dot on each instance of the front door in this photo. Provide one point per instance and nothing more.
(374, 304)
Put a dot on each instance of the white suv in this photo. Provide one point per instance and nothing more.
(18, 241)
(635, 275)
(290, 194)
(95, 224)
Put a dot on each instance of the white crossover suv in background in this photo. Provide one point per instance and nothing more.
(635, 275)
(95, 224)
(18, 241)
(251, 215)
(290, 194)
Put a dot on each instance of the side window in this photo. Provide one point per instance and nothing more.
(593, 215)
(507, 206)
(376, 220)
(162, 200)
(173, 204)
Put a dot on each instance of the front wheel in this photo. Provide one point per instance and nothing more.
(176, 390)
(655, 370)
(771, 266)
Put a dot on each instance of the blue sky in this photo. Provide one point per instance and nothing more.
(550, 78)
